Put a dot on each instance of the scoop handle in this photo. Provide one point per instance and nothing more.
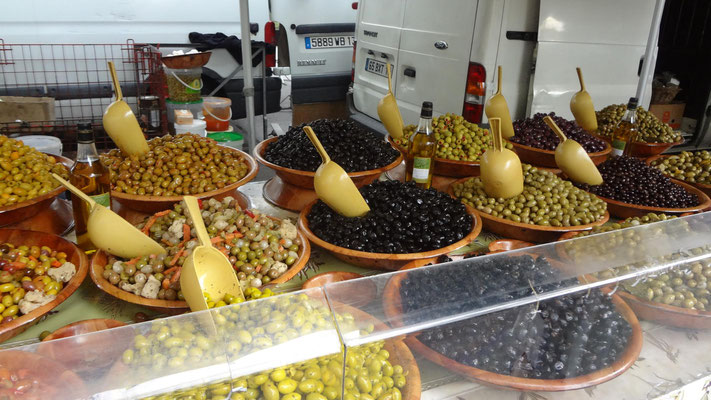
(390, 80)
(194, 211)
(317, 144)
(114, 78)
(554, 127)
(499, 79)
(580, 78)
(496, 133)
(74, 190)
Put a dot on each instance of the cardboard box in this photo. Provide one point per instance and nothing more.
(29, 109)
(670, 114)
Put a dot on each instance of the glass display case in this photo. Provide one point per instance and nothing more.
(622, 314)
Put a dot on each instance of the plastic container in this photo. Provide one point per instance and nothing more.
(197, 128)
(194, 107)
(43, 143)
(229, 139)
(184, 85)
(217, 112)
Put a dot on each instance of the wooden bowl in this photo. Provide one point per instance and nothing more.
(527, 232)
(305, 179)
(392, 306)
(152, 204)
(21, 211)
(546, 158)
(74, 255)
(706, 188)
(625, 210)
(503, 245)
(186, 61)
(385, 261)
(644, 150)
(58, 380)
(666, 314)
(445, 167)
(173, 307)
(364, 294)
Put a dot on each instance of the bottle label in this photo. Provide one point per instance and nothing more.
(421, 169)
(618, 147)
(104, 199)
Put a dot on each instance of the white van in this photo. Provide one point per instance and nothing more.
(447, 52)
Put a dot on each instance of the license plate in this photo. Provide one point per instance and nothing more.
(376, 67)
(328, 42)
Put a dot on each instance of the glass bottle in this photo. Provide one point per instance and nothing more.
(89, 175)
(625, 132)
(422, 148)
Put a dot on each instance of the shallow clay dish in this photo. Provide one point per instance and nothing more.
(383, 260)
(527, 232)
(74, 255)
(503, 245)
(546, 158)
(364, 293)
(392, 306)
(706, 188)
(152, 204)
(305, 179)
(625, 210)
(445, 167)
(644, 150)
(28, 208)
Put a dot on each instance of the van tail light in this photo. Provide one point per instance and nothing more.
(270, 38)
(354, 5)
(355, 43)
(475, 93)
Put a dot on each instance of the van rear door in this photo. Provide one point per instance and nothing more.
(434, 56)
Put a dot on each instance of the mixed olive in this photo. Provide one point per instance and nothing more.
(25, 173)
(30, 277)
(457, 138)
(259, 247)
(651, 129)
(251, 293)
(630, 180)
(535, 133)
(693, 167)
(403, 218)
(176, 165)
(546, 200)
(347, 143)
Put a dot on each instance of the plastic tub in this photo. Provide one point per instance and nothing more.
(184, 85)
(197, 128)
(229, 139)
(217, 112)
(43, 143)
(194, 107)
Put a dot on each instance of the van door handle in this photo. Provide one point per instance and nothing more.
(409, 72)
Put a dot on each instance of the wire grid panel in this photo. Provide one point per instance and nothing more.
(77, 78)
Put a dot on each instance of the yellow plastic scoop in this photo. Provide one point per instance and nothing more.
(581, 105)
(572, 158)
(121, 124)
(206, 269)
(389, 113)
(333, 185)
(501, 170)
(496, 107)
(111, 233)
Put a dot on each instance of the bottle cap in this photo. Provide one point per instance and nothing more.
(632, 104)
(85, 133)
(426, 109)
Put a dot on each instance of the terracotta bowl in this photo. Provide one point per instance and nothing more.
(445, 167)
(503, 245)
(152, 204)
(392, 305)
(56, 379)
(625, 210)
(644, 150)
(28, 208)
(74, 255)
(546, 158)
(527, 232)
(305, 179)
(706, 188)
(186, 61)
(173, 307)
(385, 261)
(364, 294)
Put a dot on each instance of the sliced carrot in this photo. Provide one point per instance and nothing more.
(176, 276)
(169, 270)
(186, 232)
(133, 261)
(258, 267)
(32, 258)
(54, 263)
(162, 213)
(166, 242)
(176, 257)
(216, 240)
(166, 284)
(152, 220)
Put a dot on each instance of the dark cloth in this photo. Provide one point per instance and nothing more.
(233, 45)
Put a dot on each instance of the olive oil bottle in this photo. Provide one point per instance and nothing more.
(89, 175)
(625, 132)
(422, 149)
